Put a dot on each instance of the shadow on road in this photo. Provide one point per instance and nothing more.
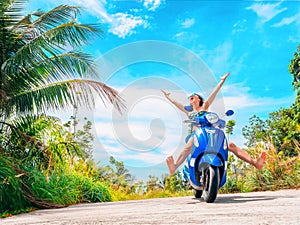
(242, 199)
(235, 199)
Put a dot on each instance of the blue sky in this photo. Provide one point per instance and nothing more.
(184, 47)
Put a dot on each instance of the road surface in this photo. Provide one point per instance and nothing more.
(278, 207)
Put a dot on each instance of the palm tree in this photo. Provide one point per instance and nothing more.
(42, 67)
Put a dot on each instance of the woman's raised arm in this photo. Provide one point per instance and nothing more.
(212, 96)
(177, 104)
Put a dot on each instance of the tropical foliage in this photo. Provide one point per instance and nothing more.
(294, 69)
(43, 68)
(279, 135)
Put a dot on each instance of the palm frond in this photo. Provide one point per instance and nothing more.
(25, 21)
(69, 65)
(53, 69)
(18, 134)
(11, 12)
(35, 125)
(39, 22)
(55, 17)
(52, 42)
(73, 34)
(63, 94)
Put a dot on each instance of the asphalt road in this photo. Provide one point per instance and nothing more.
(278, 207)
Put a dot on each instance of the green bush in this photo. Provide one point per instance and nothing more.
(57, 188)
(65, 188)
(279, 172)
(11, 196)
(232, 186)
(95, 191)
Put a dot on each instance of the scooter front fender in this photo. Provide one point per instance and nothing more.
(207, 159)
(211, 159)
(214, 160)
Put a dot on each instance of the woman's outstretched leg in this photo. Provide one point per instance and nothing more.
(258, 163)
(171, 164)
(183, 155)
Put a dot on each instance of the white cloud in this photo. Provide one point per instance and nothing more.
(287, 21)
(151, 129)
(179, 34)
(239, 26)
(266, 11)
(124, 24)
(188, 23)
(121, 24)
(239, 97)
(152, 5)
(220, 58)
(246, 104)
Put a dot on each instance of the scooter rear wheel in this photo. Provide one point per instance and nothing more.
(197, 193)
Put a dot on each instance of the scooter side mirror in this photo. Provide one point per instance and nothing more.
(229, 112)
(188, 108)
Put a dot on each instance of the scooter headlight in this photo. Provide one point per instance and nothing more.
(212, 117)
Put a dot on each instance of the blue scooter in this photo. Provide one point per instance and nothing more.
(206, 167)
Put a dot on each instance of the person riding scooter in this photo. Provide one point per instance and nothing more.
(200, 105)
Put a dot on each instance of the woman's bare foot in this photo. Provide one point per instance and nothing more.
(171, 165)
(260, 161)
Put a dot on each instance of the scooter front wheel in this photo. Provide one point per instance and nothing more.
(211, 184)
